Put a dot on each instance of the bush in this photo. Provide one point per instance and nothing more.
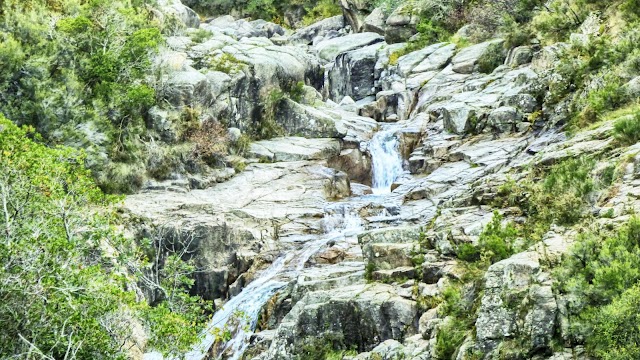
(496, 240)
(226, 63)
(627, 130)
(450, 336)
(322, 10)
(211, 142)
(600, 276)
(491, 59)
(67, 276)
(616, 330)
(83, 78)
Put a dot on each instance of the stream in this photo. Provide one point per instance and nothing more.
(239, 316)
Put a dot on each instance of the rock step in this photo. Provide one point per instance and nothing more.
(394, 275)
(294, 149)
(386, 256)
(406, 234)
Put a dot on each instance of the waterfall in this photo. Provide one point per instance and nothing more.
(239, 315)
(386, 160)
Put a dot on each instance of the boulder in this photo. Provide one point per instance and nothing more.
(466, 60)
(319, 29)
(385, 256)
(355, 11)
(401, 24)
(504, 119)
(180, 11)
(520, 55)
(354, 163)
(352, 74)
(329, 49)
(375, 22)
(186, 88)
(407, 234)
(359, 316)
(459, 118)
(518, 300)
(303, 120)
(436, 60)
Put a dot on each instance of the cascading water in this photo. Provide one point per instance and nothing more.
(240, 314)
(386, 160)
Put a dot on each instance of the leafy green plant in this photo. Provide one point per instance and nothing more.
(67, 276)
(200, 35)
(226, 63)
(321, 10)
(601, 276)
(626, 130)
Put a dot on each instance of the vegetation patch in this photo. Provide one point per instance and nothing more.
(59, 245)
(600, 277)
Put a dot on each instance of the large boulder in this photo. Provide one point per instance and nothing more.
(294, 149)
(319, 29)
(355, 11)
(187, 87)
(504, 119)
(183, 13)
(354, 163)
(459, 118)
(303, 120)
(352, 74)
(518, 300)
(401, 24)
(466, 60)
(358, 316)
(329, 49)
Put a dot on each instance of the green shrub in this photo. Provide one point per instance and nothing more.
(60, 241)
(467, 252)
(449, 337)
(616, 329)
(200, 35)
(601, 275)
(496, 241)
(322, 10)
(491, 59)
(626, 130)
(226, 63)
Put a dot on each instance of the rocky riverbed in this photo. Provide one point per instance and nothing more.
(301, 235)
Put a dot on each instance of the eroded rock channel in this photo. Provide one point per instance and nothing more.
(314, 242)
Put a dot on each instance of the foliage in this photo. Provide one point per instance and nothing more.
(200, 35)
(79, 74)
(600, 277)
(67, 279)
(491, 59)
(458, 310)
(616, 335)
(266, 126)
(449, 338)
(211, 141)
(555, 195)
(271, 10)
(226, 63)
(496, 242)
(626, 130)
(322, 10)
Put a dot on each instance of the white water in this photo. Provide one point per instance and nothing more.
(240, 314)
(386, 160)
